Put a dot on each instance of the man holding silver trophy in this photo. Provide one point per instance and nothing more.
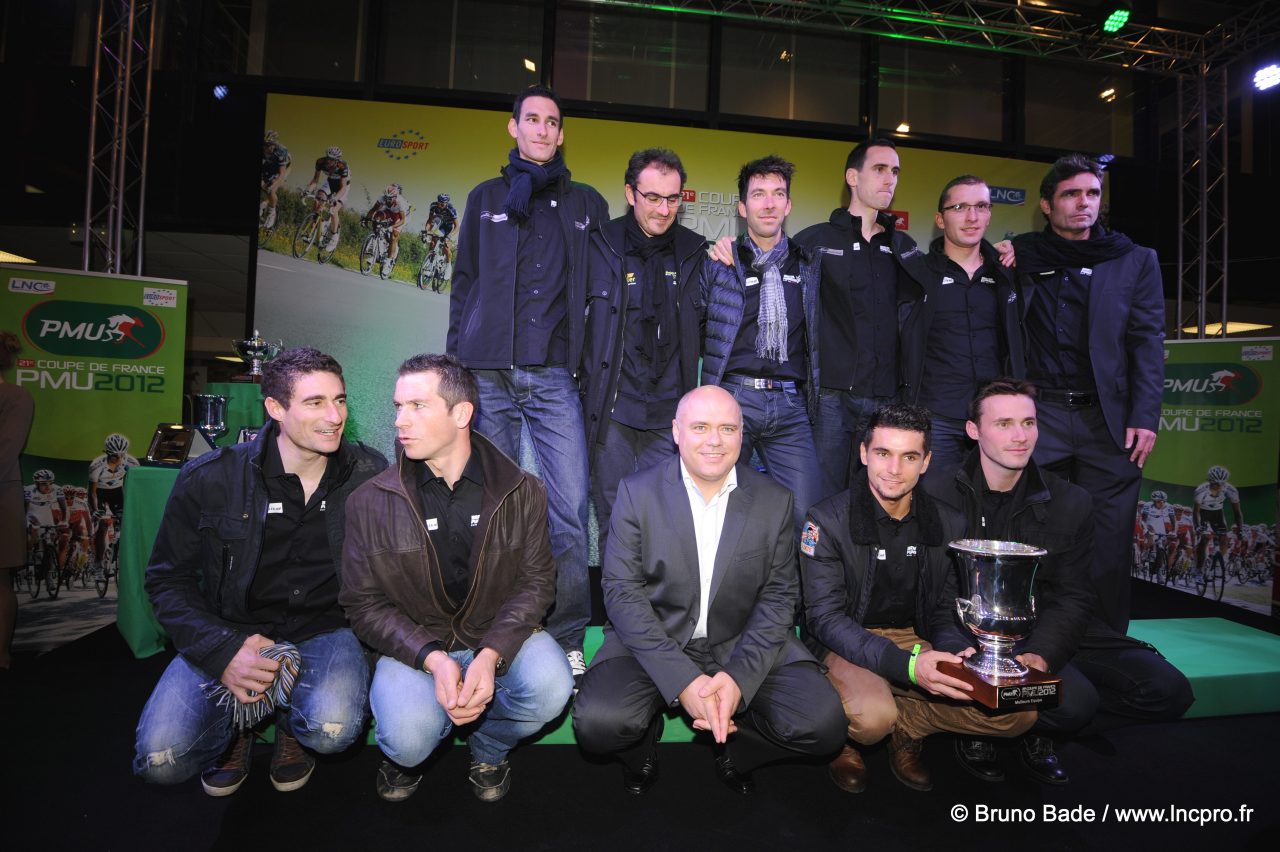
(1007, 497)
(880, 589)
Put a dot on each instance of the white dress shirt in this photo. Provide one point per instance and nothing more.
(708, 521)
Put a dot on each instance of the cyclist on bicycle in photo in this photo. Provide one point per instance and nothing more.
(442, 218)
(46, 508)
(1158, 519)
(331, 181)
(1208, 512)
(1185, 531)
(106, 485)
(391, 208)
(275, 167)
(79, 520)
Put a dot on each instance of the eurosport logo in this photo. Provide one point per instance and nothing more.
(34, 286)
(93, 330)
(1210, 384)
(403, 144)
(1008, 195)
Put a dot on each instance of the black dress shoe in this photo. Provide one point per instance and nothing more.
(637, 782)
(978, 757)
(738, 782)
(1041, 760)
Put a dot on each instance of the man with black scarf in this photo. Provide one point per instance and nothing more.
(643, 327)
(1093, 309)
(516, 320)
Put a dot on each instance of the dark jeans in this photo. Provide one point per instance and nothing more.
(842, 420)
(1109, 687)
(545, 400)
(777, 427)
(948, 445)
(1074, 443)
(625, 450)
(795, 712)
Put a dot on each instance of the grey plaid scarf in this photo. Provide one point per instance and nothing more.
(771, 322)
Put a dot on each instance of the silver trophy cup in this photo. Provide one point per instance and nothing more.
(211, 415)
(256, 351)
(1001, 607)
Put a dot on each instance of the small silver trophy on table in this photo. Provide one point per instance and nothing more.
(1000, 610)
(256, 351)
(211, 415)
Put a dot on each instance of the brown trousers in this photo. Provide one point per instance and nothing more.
(875, 707)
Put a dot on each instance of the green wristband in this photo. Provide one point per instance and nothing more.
(911, 666)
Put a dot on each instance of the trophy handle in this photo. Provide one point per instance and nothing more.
(963, 606)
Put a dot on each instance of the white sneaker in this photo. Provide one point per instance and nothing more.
(577, 665)
(332, 244)
(386, 268)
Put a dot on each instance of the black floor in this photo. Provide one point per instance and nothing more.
(68, 722)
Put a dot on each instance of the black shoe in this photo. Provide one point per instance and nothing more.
(978, 757)
(489, 782)
(1041, 760)
(738, 782)
(395, 784)
(637, 782)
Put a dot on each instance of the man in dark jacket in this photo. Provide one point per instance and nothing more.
(248, 556)
(1093, 308)
(643, 323)
(968, 328)
(865, 296)
(1005, 495)
(760, 342)
(879, 591)
(516, 319)
(447, 574)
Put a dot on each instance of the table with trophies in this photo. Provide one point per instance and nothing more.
(221, 413)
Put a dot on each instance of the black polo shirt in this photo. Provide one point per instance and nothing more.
(1058, 331)
(962, 351)
(451, 517)
(541, 329)
(295, 589)
(897, 571)
(648, 393)
(858, 341)
(743, 358)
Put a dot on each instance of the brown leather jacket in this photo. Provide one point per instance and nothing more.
(392, 588)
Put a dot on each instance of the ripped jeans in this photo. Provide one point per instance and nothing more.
(182, 732)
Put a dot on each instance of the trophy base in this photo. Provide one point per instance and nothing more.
(247, 378)
(1031, 691)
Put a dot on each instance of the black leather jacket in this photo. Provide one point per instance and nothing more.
(210, 541)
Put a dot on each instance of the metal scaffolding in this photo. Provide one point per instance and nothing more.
(116, 184)
(1202, 203)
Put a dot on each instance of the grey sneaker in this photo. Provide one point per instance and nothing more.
(490, 783)
(231, 768)
(395, 784)
(577, 665)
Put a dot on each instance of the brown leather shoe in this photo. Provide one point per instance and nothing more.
(847, 771)
(906, 762)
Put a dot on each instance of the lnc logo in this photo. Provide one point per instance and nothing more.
(93, 330)
(1210, 384)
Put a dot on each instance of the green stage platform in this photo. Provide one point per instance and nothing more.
(1233, 669)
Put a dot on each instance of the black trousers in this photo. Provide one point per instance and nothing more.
(1074, 443)
(795, 712)
(1110, 687)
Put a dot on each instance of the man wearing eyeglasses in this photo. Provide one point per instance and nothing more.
(966, 330)
(643, 327)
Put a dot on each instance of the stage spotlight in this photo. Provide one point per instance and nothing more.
(219, 92)
(1266, 77)
(1117, 18)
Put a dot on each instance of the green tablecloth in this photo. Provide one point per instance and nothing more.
(244, 407)
(145, 496)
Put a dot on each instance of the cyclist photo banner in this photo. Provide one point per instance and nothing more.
(332, 294)
(102, 356)
(1218, 449)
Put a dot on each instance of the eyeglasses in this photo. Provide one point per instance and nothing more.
(981, 207)
(655, 199)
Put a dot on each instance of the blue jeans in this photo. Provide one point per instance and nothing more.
(777, 427)
(411, 723)
(182, 732)
(545, 400)
(842, 420)
(949, 444)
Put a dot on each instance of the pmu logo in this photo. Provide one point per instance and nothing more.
(93, 330)
(1008, 195)
(1210, 384)
(403, 144)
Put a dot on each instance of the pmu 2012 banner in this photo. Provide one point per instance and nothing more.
(1214, 533)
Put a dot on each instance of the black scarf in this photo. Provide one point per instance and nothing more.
(1046, 250)
(525, 178)
(658, 315)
